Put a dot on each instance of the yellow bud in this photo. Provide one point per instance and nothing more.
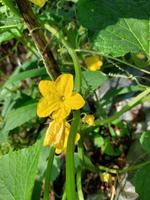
(93, 63)
(39, 3)
(106, 177)
(89, 119)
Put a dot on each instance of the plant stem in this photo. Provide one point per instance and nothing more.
(124, 170)
(127, 107)
(38, 37)
(48, 172)
(79, 184)
(113, 58)
(72, 53)
(70, 172)
(64, 195)
(79, 170)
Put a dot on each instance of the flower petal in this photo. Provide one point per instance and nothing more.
(62, 146)
(64, 85)
(62, 112)
(54, 133)
(46, 106)
(46, 87)
(75, 102)
(63, 143)
(39, 2)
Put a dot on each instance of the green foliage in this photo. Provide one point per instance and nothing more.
(115, 25)
(27, 74)
(110, 29)
(145, 141)
(142, 182)
(17, 173)
(25, 114)
(10, 25)
(92, 80)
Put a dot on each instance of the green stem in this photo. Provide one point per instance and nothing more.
(101, 168)
(72, 53)
(70, 172)
(136, 100)
(64, 197)
(79, 171)
(79, 184)
(49, 172)
(113, 58)
(124, 170)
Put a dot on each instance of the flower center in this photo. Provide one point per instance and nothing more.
(62, 98)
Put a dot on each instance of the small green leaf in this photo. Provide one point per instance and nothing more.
(19, 116)
(7, 35)
(92, 80)
(17, 173)
(98, 141)
(142, 182)
(145, 141)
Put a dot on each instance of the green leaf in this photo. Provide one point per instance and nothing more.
(142, 182)
(145, 141)
(8, 35)
(17, 173)
(10, 4)
(19, 116)
(43, 164)
(115, 25)
(98, 141)
(114, 92)
(108, 149)
(92, 80)
(27, 74)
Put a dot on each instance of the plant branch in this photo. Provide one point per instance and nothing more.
(38, 37)
(135, 101)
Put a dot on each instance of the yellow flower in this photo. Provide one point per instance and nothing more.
(88, 119)
(39, 3)
(58, 98)
(93, 63)
(57, 135)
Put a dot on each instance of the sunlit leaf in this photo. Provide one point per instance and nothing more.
(17, 173)
(117, 27)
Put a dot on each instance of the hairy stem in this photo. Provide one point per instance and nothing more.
(38, 37)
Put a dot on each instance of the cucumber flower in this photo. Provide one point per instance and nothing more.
(58, 98)
(39, 3)
(93, 63)
(57, 135)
